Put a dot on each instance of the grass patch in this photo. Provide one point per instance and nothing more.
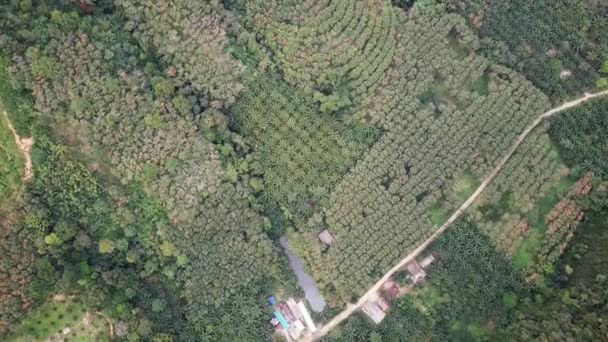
(438, 214)
(527, 250)
(436, 94)
(482, 85)
(465, 186)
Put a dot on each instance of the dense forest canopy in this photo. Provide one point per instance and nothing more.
(153, 153)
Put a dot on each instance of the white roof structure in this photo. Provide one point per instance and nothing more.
(326, 237)
(295, 329)
(295, 310)
(373, 311)
(307, 319)
(427, 261)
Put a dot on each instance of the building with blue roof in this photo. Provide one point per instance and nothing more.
(281, 319)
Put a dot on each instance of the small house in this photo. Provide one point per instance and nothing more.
(307, 319)
(426, 262)
(374, 311)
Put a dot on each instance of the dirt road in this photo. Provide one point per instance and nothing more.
(25, 146)
(373, 291)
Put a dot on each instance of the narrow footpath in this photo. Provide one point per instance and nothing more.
(25, 146)
(373, 291)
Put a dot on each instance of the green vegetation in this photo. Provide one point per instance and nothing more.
(11, 163)
(18, 105)
(67, 318)
(580, 135)
(468, 293)
(474, 279)
(438, 214)
(587, 257)
(337, 50)
(303, 154)
(175, 142)
(374, 212)
(531, 244)
(543, 39)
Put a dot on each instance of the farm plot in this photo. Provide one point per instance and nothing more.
(303, 154)
(439, 137)
(530, 211)
(532, 173)
(338, 50)
(66, 319)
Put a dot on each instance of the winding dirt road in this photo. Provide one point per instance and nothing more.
(25, 146)
(373, 291)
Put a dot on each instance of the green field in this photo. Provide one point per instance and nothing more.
(66, 320)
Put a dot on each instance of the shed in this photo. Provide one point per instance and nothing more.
(296, 329)
(307, 319)
(416, 272)
(281, 319)
(326, 237)
(295, 310)
(427, 261)
(373, 311)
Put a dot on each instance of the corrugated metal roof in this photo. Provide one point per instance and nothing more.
(307, 319)
(281, 319)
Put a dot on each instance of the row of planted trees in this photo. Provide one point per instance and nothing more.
(380, 209)
(543, 40)
(337, 51)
